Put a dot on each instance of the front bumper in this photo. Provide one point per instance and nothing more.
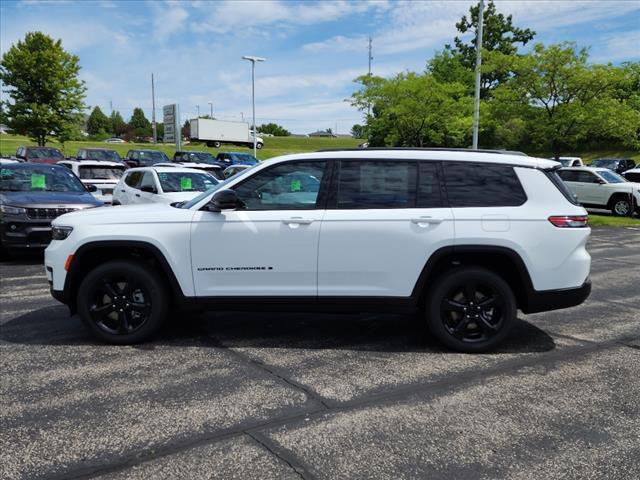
(546, 300)
(22, 233)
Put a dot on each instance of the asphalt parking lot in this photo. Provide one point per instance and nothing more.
(229, 395)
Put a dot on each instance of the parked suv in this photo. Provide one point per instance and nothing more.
(145, 158)
(31, 195)
(633, 175)
(98, 154)
(39, 154)
(618, 165)
(102, 175)
(602, 188)
(463, 238)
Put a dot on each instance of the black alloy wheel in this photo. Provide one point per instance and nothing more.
(621, 207)
(470, 309)
(122, 302)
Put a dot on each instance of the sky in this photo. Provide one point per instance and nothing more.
(313, 50)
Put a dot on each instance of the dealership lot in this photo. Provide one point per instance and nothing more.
(230, 395)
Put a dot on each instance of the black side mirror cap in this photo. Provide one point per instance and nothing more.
(91, 188)
(148, 189)
(223, 200)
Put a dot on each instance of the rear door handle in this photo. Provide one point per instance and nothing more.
(426, 220)
(137, 194)
(122, 191)
(297, 221)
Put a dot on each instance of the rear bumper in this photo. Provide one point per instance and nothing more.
(544, 301)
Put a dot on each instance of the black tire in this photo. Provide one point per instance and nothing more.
(217, 144)
(621, 206)
(470, 309)
(122, 302)
(258, 145)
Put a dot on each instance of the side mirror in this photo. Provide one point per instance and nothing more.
(91, 188)
(148, 189)
(600, 181)
(223, 200)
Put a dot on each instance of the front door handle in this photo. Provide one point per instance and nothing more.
(426, 220)
(137, 194)
(297, 221)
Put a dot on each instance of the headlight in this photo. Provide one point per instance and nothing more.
(9, 210)
(60, 233)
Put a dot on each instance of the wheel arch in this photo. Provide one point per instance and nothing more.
(92, 254)
(501, 260)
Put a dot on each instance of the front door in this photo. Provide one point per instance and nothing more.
(268, 246)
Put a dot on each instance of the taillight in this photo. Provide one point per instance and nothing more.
(569, 221)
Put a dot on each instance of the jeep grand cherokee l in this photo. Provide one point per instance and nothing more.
(462, 238)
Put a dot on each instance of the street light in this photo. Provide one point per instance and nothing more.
(253, 61)
(211, 109)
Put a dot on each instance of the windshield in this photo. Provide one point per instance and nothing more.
(103, 155)
(611, 177)
(151, 158)
(606, 163)
(172, 182)
(245, 158)
(38, 179)
(44, 153)
(219, 186)
(202, 157)
(100, 173)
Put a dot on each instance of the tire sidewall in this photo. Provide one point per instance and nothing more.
(453, 278)
(156, 290)
(613, 207)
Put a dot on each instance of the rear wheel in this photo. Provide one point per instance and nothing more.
(258, 145)
(217, 144)
(471, 309)
(621, 206)
(122, 302)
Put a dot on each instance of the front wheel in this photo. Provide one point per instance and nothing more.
(470, 309)
(122, 302)
(258, 145)
(217, 144)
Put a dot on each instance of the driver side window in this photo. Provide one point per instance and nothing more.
(288, 186)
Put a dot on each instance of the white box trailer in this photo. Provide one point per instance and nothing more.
(216, 132)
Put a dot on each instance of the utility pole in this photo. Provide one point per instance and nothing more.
(211, 109)
(476, 99)
(153, 111)
(369, 74)
(198, 108)
(242, 116)
(111, 106)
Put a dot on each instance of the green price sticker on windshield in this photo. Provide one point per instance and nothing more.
(185, 183)
(296, 185)
(37, 180)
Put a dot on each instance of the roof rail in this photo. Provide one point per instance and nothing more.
(428, 149)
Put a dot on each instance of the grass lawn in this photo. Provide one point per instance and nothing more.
(273, 146)
(611, 221)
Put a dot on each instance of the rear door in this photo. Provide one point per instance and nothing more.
(385, 218)
(148, 180)
(127, 190)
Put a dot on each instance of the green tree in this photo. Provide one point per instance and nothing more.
(359, 131)
(41, 79)
(499, 35)
(413, 110)
(117, 125)
(139, 124)
(98, 123)
(448, 67)
(566, 100)
(274, 129)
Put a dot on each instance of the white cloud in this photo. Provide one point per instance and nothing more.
(168, 18)
(623, 46)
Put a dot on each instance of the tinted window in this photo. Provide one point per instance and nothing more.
(133, 178)
(586, 177)
(100, 173)
(568, 175)
(429, 186)
(288, 186)
(482, 185)
(148, 180)
(376, 184)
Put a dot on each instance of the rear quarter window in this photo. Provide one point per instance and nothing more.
(482, 185)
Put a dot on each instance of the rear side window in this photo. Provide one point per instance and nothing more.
(482, 185)
(133, 179)
(429, 185)
(557, 177)
(376, 184)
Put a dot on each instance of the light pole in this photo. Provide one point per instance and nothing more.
(211, 109)
(198, 109)
(476, 98)
(253, 61)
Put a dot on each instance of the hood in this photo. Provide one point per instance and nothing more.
(126, 214)
(26, 199)
(179, 196)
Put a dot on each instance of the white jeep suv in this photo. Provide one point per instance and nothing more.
(602, 188)
(463, 238)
